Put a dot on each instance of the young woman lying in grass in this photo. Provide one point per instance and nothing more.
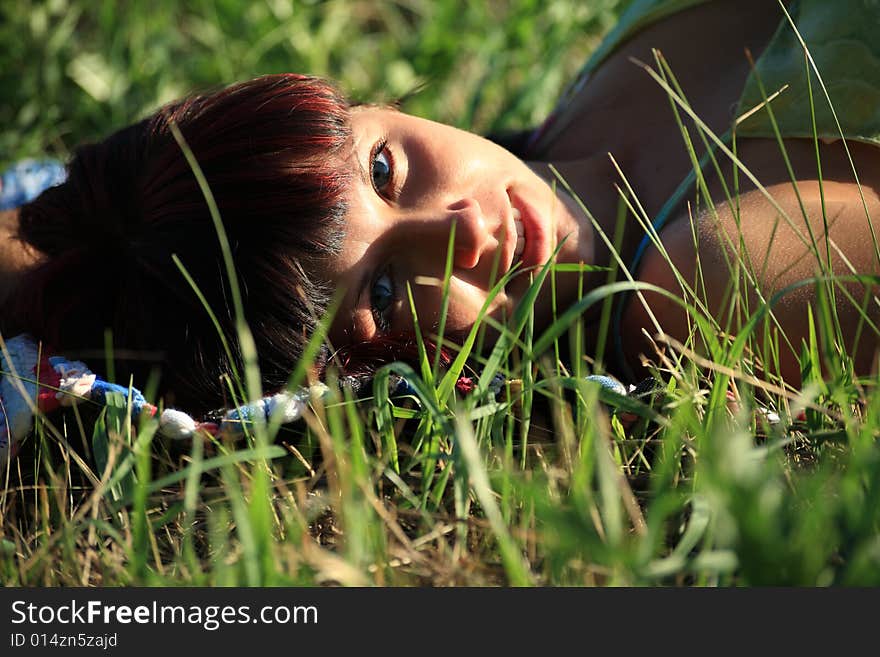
(318, 196)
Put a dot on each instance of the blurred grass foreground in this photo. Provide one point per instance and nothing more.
(74, 70)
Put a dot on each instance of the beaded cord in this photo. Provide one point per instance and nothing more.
(32, 382)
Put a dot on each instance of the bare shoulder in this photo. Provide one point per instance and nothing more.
(765, 243)
(831, 207)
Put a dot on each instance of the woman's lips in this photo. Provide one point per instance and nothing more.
(533, 242)
(530, 245)
(520, 234)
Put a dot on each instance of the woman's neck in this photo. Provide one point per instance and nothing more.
(624, 111)
(16, 257)
(592, 199)
(620, 133)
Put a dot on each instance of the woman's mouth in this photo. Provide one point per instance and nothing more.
(532, 248)
(520, 234)
(532, 241)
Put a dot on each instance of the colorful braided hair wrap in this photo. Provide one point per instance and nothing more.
(32, 382)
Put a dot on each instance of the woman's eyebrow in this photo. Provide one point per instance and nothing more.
(362, 170)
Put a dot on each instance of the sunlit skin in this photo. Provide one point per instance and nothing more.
(415, 179)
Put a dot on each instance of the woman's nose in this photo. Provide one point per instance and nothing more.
(471, 232)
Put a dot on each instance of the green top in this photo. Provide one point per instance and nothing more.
(639, 15)
(841, 37)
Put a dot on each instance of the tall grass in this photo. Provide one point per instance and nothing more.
(553, 481)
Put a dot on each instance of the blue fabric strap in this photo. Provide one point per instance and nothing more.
(26, 180)
(672, 204)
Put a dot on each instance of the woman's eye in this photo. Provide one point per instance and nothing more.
(381, 298)
(382, 169)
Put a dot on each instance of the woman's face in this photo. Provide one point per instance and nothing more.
(414, 180)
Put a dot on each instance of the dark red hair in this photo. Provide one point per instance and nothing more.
(275, 151)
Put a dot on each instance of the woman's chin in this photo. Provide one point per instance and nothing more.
(493, 329)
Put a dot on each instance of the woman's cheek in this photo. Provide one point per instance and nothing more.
(471, 301)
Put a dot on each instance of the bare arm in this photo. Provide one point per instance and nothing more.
(773, 251)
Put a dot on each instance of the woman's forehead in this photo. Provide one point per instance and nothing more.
(372, 118)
